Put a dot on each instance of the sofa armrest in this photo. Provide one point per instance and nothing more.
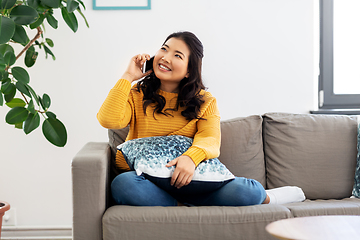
(90, 176)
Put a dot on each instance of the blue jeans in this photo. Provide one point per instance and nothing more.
(131, 189)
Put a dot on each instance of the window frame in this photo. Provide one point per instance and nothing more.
(327, 98)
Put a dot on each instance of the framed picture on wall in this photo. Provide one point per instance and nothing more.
(121, 4)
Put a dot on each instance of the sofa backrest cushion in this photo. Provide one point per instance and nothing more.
(242, 148)
(314, 152)
(117, 137)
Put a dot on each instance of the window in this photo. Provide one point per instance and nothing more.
(339, 79)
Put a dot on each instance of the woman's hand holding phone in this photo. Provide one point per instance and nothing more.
(134, 70)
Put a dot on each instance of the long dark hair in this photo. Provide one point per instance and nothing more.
(189, 87)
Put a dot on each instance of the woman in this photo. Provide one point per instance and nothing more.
(171, 100)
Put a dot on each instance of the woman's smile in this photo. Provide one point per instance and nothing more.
(163, 67)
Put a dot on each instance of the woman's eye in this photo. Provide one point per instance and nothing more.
(163, 48)
(178, 56)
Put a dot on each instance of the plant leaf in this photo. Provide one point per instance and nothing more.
(48, 51)
(86, 22)
(5, 80)
(7, 87)
(30, 56)
(11, 95)
(33, 94)
(7, 29)
(23, 15)
(52, 21)
(21, 87)
(33, 3)
(2, 65)
(20, 74)
(16, 115)
(20, 35)
(9, 58)
(31, 107)
(2, 100)
(82, 4)
(4, 48)
(2, 58)
(55, 132)
(3, 76)
(7, 4)
(38, 22)
(70, 19)
(50, 114)
(49, 42)
(19, 125)
(51, 3)
(46, 101)
(4, 84)
(16, 102)
(71, 5)
(31, 123)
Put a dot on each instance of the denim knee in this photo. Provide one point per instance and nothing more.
(131, 189)
(248, 192)
(259, 193)
(119, 187)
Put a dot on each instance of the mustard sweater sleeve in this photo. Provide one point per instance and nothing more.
(206, 144)
(116, 111)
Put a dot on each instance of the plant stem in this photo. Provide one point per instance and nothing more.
(27, 102)
(30, 43)
(24, 98)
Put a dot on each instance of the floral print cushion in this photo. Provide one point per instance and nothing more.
(150, 155)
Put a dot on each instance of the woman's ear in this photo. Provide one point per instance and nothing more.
(187, 75)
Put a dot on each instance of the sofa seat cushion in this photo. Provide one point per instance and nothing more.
(314, 152)
(347, 206)
(126, 222)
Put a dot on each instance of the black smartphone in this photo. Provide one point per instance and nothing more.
(148, 65)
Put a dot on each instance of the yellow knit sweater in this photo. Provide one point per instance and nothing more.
(124, 106)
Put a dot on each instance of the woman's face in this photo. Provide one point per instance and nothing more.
(171, 61)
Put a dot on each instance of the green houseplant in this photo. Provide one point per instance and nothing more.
(18, 18)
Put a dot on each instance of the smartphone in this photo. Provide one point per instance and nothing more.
(148, 65)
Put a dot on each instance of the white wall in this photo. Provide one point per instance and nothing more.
(259, 57)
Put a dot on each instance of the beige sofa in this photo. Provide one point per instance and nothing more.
(314, 152)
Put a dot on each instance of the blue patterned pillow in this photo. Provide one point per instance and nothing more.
(150, 155)
(356, 189)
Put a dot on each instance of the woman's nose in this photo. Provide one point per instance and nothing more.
(165, 59)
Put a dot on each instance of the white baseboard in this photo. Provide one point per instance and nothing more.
(36, 233)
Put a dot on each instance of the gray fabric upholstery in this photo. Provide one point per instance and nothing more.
(90, 168)
(197, 223)
(314, 152)
(116, 137)
(242, 148)
(325, 207)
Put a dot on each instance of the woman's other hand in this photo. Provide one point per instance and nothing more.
(184, 171)
(135, 68)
